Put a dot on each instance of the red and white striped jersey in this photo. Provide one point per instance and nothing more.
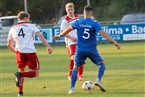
(66, 23)
(23, 35)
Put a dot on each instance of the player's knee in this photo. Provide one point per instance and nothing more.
(21, 70)
(72, 57)
(76, 67)
(103, 66)
(103, 62)
(37, 73)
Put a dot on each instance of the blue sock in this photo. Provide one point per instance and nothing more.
(74, 78)
(101, 71)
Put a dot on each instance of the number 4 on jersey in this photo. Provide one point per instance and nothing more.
(21, 33)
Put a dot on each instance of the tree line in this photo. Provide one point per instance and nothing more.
(47, 11)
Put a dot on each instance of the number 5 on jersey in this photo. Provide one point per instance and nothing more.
(87, 34)
(21, 33)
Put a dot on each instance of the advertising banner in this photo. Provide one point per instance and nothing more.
(128, 32)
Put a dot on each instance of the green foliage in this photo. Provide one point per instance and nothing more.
(124, 76)
(118, 8)
(45, 11)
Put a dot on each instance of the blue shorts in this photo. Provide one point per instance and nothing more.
(94, 56)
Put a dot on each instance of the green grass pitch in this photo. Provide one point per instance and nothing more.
(124, 76)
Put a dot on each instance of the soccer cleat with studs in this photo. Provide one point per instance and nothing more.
(71, 91)
(98, 84)
(20, 94)
(81, 78)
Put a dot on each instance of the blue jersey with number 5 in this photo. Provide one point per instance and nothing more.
(86, 33)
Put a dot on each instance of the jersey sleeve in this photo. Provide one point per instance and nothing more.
(75, 25)
(64, 25)
(98, 27)
(35, 29)
(10, 35)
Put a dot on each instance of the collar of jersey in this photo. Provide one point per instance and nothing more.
(22, 22)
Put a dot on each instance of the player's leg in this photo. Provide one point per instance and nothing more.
(73, 79)
(71, 62)
(20, 88)
(79, 60)
(71, 52)
(21, 64)
(98, 60)
(33, 65)
(80, 72)
(71, 65)
(101, 70)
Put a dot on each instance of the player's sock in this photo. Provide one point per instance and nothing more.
(71, 65)
(74, 78)
(101, 71)
(80, 72)
(20, 88)
(29, 74)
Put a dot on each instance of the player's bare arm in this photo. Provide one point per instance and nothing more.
(11, 46)
(106, 35)
(69, 36)
(63, 33)
(45, 42)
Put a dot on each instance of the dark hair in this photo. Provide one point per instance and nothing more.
(88, 8)
(22, 15)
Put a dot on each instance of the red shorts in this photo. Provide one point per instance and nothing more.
(27, 59)
(71, 49)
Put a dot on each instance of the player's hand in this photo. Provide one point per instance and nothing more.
(117, 45)
(49, 50)
(56, 37)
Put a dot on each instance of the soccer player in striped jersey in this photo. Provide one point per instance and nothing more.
(22, 34)
(71, 38)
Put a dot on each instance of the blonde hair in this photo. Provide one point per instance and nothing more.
(69, 5)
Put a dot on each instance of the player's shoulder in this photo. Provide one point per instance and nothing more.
(21, 23)
(95, 21)
(24, 24)
(67, 18)
(64, 22)
(76, 16)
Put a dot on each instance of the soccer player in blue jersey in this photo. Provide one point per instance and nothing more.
(86, 46)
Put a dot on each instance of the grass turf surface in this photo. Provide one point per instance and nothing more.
(124, 76)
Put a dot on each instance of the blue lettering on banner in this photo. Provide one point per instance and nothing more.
(114, 31)
(47, 33)
(56, 31)
(134, 32)
(124, 32)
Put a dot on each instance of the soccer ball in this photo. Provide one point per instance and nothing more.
(88, 85)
